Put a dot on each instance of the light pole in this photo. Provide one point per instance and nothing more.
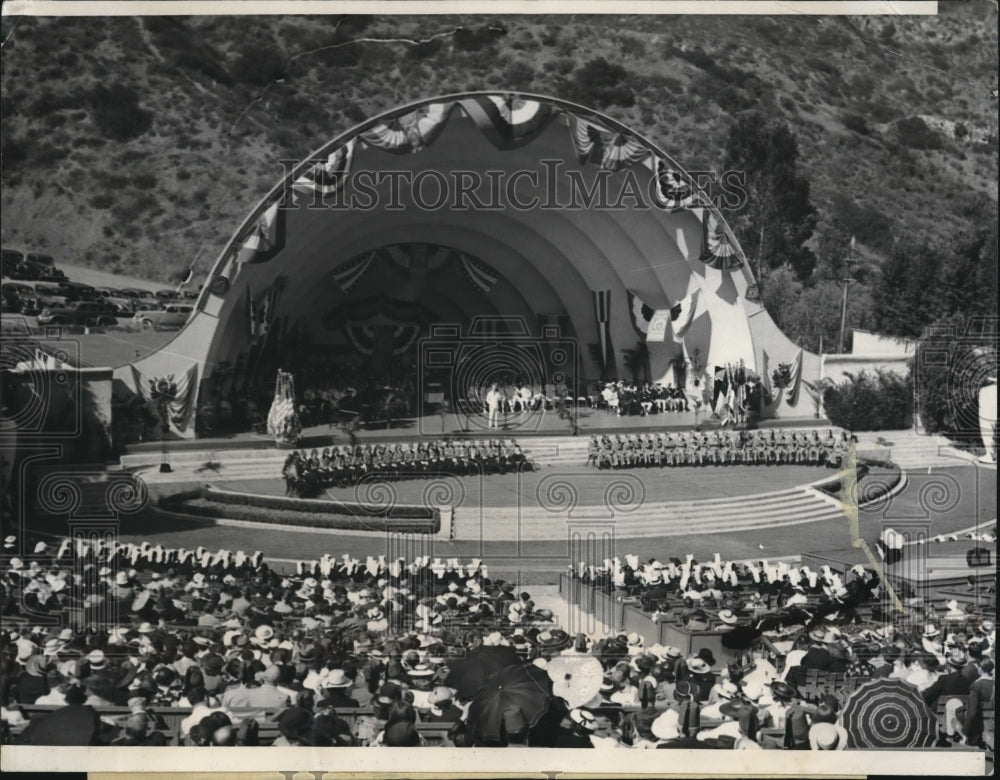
(849, 264)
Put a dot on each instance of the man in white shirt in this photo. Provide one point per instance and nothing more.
(493, 399)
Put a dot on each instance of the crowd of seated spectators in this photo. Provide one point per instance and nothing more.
(700, 448)
(345, 465)
(351, 652)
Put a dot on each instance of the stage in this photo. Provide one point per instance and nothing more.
(587, 421)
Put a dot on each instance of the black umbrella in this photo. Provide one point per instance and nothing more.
(518, 687)
(468, 675)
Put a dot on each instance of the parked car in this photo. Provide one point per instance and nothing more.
(78, 313)
(191, 295)
(143, 296)
(77, 291)
(124, 305)
(10, 259)
(172, 315)
(20, 298)
(168, 295)
(49, 294)
(42, 261)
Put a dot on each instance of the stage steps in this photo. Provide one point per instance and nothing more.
(772, 510)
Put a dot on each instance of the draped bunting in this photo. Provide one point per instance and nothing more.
(640, 313)
(594, 143)
(363, 309)
(682, 314)
(509, 121)
(672, 191)
(480, 275)
(718, 248)
(181, 392)
(411, 132)
(348, 274)
(368, 339)
(329, 176)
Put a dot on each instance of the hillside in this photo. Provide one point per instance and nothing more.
(138, 144)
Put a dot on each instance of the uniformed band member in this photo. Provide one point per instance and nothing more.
(718, 448)
(340, 466)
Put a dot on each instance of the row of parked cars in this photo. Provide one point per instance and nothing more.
(55, 300)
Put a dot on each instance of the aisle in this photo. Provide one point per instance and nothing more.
(570, 618)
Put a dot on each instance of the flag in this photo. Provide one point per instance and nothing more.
(267, 236)
(179, 409)
(602, 312)
(793, 382)
(252, 323)
(480, 275)
(682, 313)
(268, 307)
(348, 274)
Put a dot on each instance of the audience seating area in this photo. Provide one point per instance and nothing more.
(195, 647)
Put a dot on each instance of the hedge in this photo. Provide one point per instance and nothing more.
(867, 402)
(210, 503)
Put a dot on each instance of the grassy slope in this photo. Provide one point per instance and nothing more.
(148, 206)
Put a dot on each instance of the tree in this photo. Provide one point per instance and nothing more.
(907, 289)
(777, 217)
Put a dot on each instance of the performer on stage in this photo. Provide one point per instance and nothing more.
(493, 401)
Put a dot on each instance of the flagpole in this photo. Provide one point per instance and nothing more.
(845, 283)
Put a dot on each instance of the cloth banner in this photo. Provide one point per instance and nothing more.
(718, 247)
(682, 314)
(509, 121)
(329, 176)
(612, 151)
(672, 191)
(412, 132)
(602, 312)
(182, 395)
(266, 238)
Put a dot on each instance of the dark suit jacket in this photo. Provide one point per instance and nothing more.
(951, 684)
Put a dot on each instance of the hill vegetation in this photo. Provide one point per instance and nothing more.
(137, 145)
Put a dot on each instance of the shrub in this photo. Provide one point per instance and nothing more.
(467, 39)
(519, 75)
(259, 65)
(117, 112)
(604, 84)
(867, 402)
(914, 132)
(856, 122)
(425, 49)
